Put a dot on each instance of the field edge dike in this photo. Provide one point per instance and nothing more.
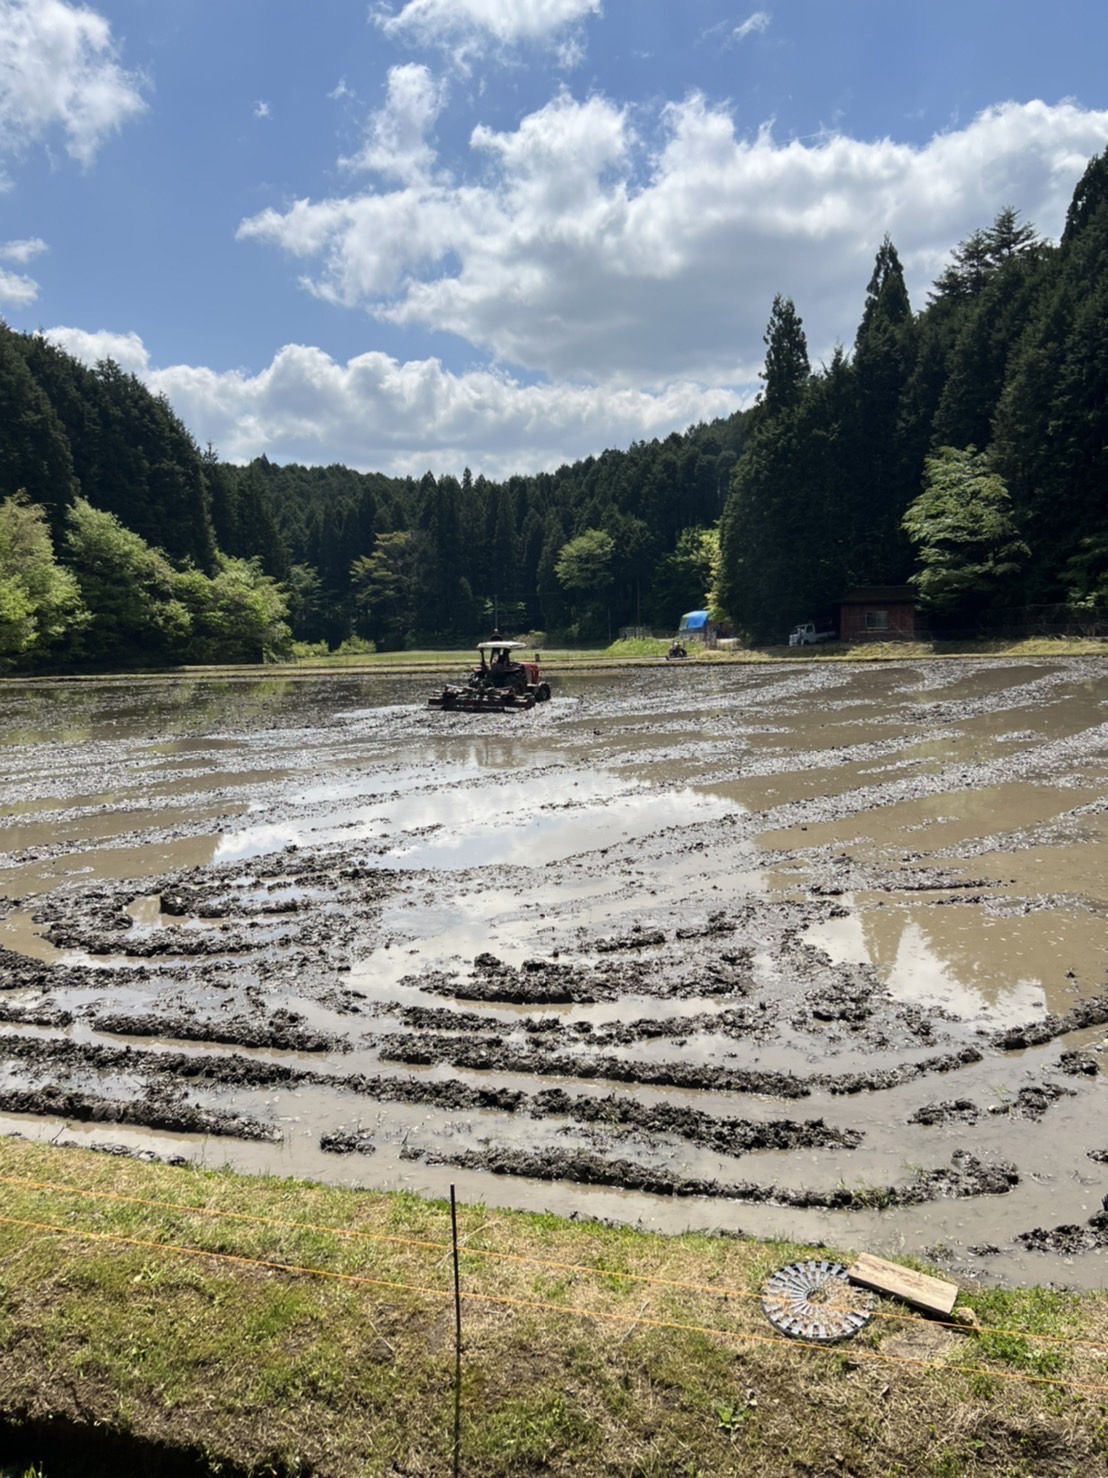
(181, 1321)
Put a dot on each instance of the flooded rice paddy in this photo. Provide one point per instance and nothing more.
(807, 949)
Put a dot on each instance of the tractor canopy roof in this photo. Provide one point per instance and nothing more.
(500, 646)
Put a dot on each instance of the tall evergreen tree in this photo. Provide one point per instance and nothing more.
(1010, 237)
(884, 357)
(787, 366)
(1051, 429)
(34, 450)
(767, 499)
(989, 332)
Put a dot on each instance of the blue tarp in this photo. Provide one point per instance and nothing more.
(694, 621)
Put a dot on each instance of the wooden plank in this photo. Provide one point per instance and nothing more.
(935, 1295)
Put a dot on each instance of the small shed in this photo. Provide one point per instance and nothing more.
(879, 613)
(695, 624)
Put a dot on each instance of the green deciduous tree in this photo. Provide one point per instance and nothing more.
(40, 603)
(1086, 573)
(305, 593)
(584, 570)
(236, 615)
(384, 584)
(130, 590)
(966, 538)
(584, 565)
(683, 580)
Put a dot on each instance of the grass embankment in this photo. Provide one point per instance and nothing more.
(587, 1350)
(450, 664)
(654, 649)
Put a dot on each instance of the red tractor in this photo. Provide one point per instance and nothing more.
(500, 682)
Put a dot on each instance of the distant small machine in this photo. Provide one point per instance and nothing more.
(500, 683)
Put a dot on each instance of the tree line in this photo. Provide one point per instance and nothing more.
(963, 447)
(148, 550)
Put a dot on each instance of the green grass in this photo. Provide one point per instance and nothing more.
(450, 663)
(655, 649)
(259, 1367)
(639, 647)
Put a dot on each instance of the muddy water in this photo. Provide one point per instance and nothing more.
(807, 949)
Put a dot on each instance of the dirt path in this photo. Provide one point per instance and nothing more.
(808, 949)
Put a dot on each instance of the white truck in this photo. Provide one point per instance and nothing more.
(808, 633)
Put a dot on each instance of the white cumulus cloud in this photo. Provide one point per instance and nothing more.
(127, 350)
(378, 413)
(396, 142)
(475, 22)
(17, 289)
(22, 251)
(59, 69)
(590, 251)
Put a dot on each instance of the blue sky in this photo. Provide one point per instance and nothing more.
(505, 233)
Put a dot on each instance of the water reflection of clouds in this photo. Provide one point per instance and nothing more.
(918, 969)
(255, 841)
(919, 974)
(500, 821)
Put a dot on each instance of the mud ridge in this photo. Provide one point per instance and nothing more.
(487, 1054)
(19, 972)
(967, 1176)
(490, 1054)
(166, 1113)
(727, 1023)
(1036, 1033)
(728, 1136)
(282, 1032)
(41, 1015)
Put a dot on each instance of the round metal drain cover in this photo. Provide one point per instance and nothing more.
(816, 1301)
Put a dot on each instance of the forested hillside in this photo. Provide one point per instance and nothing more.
(963, 446)
(610, 541)
(122, 543)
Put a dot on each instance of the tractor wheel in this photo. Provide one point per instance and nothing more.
(542, 693)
